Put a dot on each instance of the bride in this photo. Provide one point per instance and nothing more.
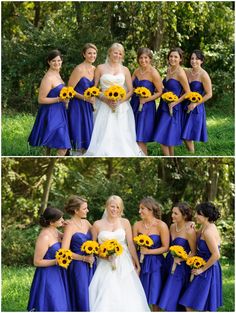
(119, 289)
(114, 132)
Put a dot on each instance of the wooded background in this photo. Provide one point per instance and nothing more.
(30, 29)
(26, 182)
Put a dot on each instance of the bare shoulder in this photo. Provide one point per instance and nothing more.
(43, 237)
(125, 69)
(204, 75)
(162, 225)
(172, 226)
(125, 221)
(137, 224)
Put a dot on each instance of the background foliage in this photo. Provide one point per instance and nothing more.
(31, 29)
(168, 180)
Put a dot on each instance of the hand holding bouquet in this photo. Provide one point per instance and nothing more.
(177, 252)
(143, 241)
(90, 93)
(66, 94)
(115, 93)
(194, 97)
(63, 257)
(195, 262)
(110, 249)
(169, 97)
(90, 247)
(142, 92)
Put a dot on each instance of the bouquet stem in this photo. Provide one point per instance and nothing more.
(112, 259)
(170, 111)
(173, 267)
(141, 258)
(140, 107)
(191, 277)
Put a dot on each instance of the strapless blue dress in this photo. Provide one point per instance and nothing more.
(51, 125)
(194, 123)
(152, 273)
(79, 275)
(169, 128)
(176, 283)
(204, 293)
(80, 115)
(49, 290)
(145, 119)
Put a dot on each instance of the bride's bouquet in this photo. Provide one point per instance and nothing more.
(169, 97)
(195, 262)
(115, 93)
(142, 92)
(194, 97)
(177, 252)
(90, 247)
(143, 241)
(63, 257)
(66, 94)
(110, 249)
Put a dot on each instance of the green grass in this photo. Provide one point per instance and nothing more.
(16, 128)
(16, 284)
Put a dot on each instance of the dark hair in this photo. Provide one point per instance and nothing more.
(185, 210)
(179, 51)
(74, 203)
(209, 210)
(87, 46)
(199, 55)
(53, 54)
(152, 205)
(49, 215)
(146, 51)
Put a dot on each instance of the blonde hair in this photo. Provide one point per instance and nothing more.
(118, 46)
(118, 201)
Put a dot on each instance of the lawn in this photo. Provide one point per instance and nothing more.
(16, 285)
(16, 128)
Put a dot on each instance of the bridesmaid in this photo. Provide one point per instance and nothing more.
(152, 269)
(80, 112)
(145, 76)
(194, 123)
(204, 293)
(50, 128)
(77, 231)
(183, 235)
(168, 128)
(49, 290)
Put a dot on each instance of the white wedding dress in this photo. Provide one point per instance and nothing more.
(119, 289)
(114, 132)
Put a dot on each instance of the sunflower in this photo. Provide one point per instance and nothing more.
(63, 257)
(195, 262)
(70, 92)
(63, 93)
(194, 97)
(91, 92)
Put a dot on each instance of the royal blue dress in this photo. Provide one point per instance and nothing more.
(80, 115)
(204, 293)
(176, 283)
(194, 123)
(152, 273)
(49, 290)
(51, 125)
(145, 119)
(79, 275)
(168, 128)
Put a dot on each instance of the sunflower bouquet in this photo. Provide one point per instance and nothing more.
(169, 97)
(194, 97)
(195, 262)
(142, 92)
(179, 252)
(66, 94)
(90, 247)
(115, 93)
(110, 249)
(91, 92)
(63, 257)
(143, 241)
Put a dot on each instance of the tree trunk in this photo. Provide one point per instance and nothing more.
(37, 13)
(48, 183)
(213, 182)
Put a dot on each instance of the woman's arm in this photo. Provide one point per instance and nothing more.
(129, 84)
(191, 236)
(212, 244)
(165, 241)
(42, 245)
(130, 243)
(182, 78)
(73, 80)
(45, 86)
(156, 79)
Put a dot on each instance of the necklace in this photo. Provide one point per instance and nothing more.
(175, 70)
(89, 69)
(150, 225)
(196, 73)
(53, 232)
(143, 72)
(179, 230)
(77, 224)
